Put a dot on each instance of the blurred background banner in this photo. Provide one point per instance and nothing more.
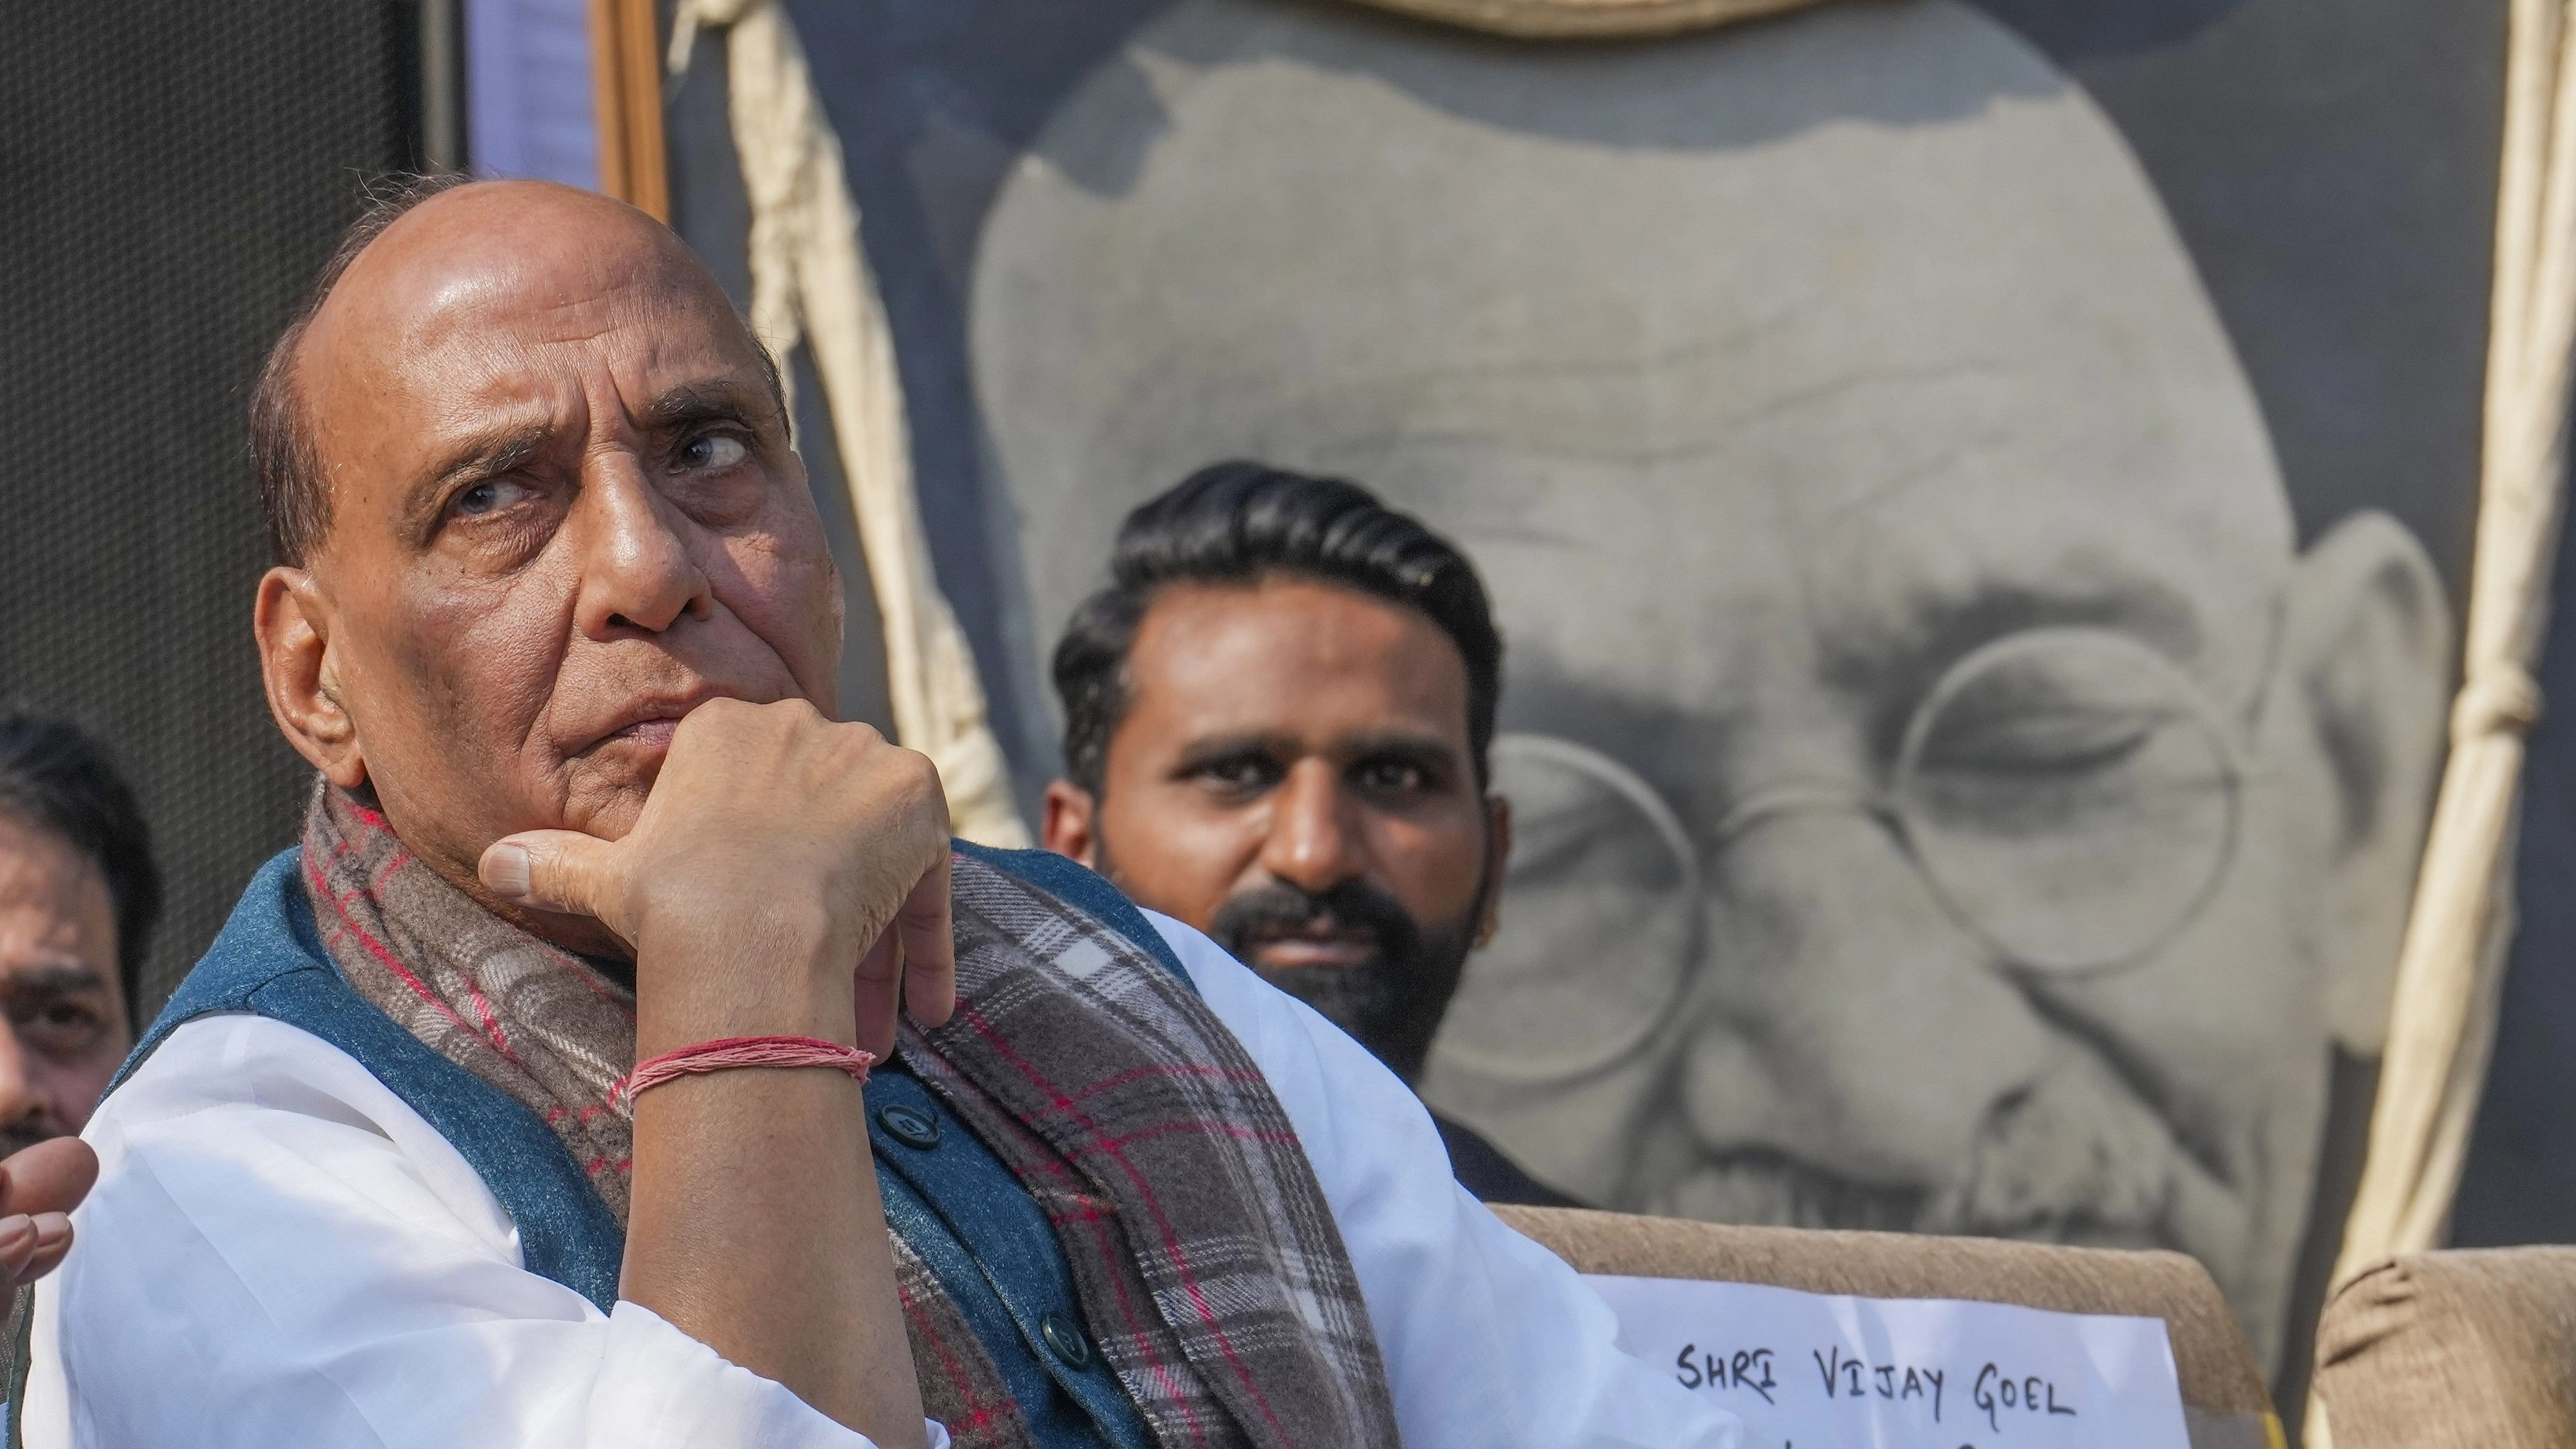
(1979, 499)
(1979, 493)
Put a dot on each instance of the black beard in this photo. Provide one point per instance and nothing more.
(1390, 1003)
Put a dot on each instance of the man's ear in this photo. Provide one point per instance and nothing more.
(299, 670)
(2367, 650)
(1498, 861)
(1072, 822)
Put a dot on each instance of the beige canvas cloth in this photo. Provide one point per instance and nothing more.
(810, 283)
(2450, 969)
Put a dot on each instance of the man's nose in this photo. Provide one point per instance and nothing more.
(638, 570)
(20, 1102)
(1848, 1018)
(1315, 841)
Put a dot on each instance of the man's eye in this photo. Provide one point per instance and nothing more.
(1239, 772)
(712, 454)
(491, 496)
(58, 1028)
(2060, 741)
(1394, 777)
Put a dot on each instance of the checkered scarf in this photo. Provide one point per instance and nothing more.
(1210, 1271)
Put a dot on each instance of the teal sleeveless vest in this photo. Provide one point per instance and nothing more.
(268, 961)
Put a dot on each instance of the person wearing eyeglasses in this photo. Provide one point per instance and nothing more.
(1277, 716)
(1950, 789)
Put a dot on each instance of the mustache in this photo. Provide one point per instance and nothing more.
(2073, 1158)
(1279, 909)
(1390, 1003)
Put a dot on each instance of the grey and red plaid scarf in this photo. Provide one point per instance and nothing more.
(1210, 1270)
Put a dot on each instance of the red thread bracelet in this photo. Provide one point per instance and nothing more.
(726, 1053)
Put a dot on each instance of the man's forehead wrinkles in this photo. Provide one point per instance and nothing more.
(1690, 404)
(531, 326)
(519, 381)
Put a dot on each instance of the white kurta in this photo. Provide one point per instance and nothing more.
(280, 1252)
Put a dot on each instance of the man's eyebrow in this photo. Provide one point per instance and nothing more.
(53, 978)
(1419, 747)
(1940, 625)
(1198, 754)
(1892, 667)
(495, 450)
(717, 399)
(1424, 747)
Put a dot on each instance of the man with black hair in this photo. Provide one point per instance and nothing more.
(78, 897)
(1277, 715)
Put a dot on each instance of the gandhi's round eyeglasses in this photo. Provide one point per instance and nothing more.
(2068, 795)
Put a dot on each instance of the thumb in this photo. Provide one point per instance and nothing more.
(557, 870)
(52, 1176)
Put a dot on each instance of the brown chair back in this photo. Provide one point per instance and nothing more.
(2224, 1401)
(2453, 1350)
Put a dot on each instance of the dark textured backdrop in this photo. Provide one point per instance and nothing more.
(170, 174)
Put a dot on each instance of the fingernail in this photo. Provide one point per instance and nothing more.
(505, 870)
(15, 1233)
(51, 1228)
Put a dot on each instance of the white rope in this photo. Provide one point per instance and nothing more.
(810, 280)
(2450, 968)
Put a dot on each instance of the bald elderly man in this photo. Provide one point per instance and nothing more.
(522, 1103)
(1947, 792)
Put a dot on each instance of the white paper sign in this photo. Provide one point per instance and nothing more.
(1809, 1371)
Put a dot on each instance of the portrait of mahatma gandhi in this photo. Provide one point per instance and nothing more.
(1947, 796)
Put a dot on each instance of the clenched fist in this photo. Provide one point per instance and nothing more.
(787, 875)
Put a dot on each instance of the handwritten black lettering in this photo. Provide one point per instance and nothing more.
(1886, 1374)
(1752, 1370)
(1745, 1368)
(1838, 1372)
(1916, 1377)
(1995, 1392)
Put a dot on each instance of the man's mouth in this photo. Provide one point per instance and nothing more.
(2076, 1159)
(649, 723)
(1320, 945)
(1774, 1189)
(653, 733)
(21, 1136)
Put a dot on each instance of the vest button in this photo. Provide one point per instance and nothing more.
(909, 1125)
(1065, 1341)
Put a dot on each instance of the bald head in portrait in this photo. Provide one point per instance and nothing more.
(1948, 797)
